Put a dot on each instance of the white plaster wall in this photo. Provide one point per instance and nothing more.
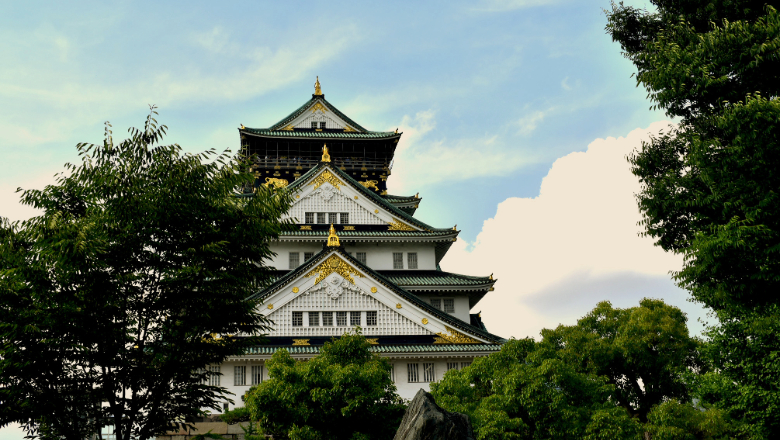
(405, 389)
(379, 256)
(461, 304)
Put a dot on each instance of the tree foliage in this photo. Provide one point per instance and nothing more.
(710, 185)
(344, 393)
(644, 351)
(130, 282)
(524, 392)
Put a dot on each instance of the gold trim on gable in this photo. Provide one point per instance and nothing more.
(397, 225)
(455, 337)
(326, 177)
(334, 264)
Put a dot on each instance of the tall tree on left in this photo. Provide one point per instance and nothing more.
(133, 280)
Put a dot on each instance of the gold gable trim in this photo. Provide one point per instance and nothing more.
(334, 264)
(397, 225)
(455, 337)
(326, 177)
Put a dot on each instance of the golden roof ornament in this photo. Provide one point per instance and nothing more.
(333, 239)
(325, 155)
(317, 89)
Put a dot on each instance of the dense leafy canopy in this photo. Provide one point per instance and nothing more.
(710, 185)
(130, 282)
(344, 393)
(643, 351)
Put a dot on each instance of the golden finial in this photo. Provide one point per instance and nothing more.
(491, 276)
(333, 239)
(317, 89)
(325, 155)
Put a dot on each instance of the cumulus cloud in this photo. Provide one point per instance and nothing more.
(558, 254)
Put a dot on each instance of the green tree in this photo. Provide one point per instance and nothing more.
(525, 392)
(672, 420)
(644, 351)
(345, 392)
(710, 186)
(130, 282)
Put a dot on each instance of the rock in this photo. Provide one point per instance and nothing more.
(425, 420)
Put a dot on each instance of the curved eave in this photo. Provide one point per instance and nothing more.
(416, 350)
(284, 134)
(417, 236)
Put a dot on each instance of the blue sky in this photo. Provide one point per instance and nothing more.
(508, 108)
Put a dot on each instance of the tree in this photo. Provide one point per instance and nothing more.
(525, 392)
(131, 282)
(645, 352)
(345, 392)
(710, 186)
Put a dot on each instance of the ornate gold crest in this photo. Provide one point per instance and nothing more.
(455, 337)
(301, 342)
(373, 341)
(326, 177)
(318, 106)
(334, 264)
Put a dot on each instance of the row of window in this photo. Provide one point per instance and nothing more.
(398, 260)
(295, 258)
(413, 371)
(327, 217)
(314, 125)
(325, 319)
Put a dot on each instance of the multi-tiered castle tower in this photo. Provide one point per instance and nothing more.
(359, 257)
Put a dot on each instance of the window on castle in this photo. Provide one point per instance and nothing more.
(297, 319)
(239, 376)
(436, 303)
(313, 125)
(449, 305)
(314, 319)
(371, 318)
(464, 365)
(333, 218)
(413, 372)
(452, 366)
(354, 318)
(295, 259)
(344, 218)
(215, 376)
(361, 256)
(327, 319)
(307, 256)
(392, 372)
(322, 125)
(257, 374)
(341, 319)
(398, 260)
(411, 260)
(309, 217)
(428, 372)
(321, 217)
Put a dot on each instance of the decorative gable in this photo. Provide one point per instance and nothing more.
(328, 193)
(319, 113)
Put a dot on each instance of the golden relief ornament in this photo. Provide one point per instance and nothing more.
(455, 337)
(349, 228)
(398, 306)
(270, 306)
(334, 264)
(373, 290)
(368, 184)
(296, 290)
(306, 228)
(319, 106)
(333, 239)
(348, 129)
(425, 321)
(288, 128)
(276, 183)
(301, 342)
(326, 177)
(373, 341)
(397, 225)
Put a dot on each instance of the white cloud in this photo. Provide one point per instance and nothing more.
(528, 123)
(421, 164)
(558, 254)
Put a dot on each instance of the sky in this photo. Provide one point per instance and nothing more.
(517, 118)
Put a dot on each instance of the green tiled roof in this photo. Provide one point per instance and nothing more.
(310, 103)
(320, 134)
(435, 278)
(347, 234)
(401, 199)
(438, 348)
